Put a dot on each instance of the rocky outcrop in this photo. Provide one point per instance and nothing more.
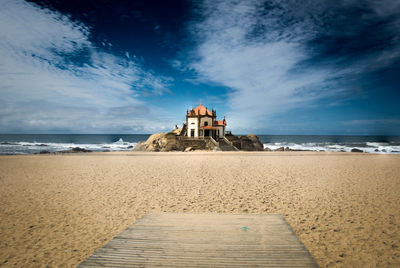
(173, 141)
(355, 150)
(161, 142)
(177, 131)
(246, 143)
(76, 150)
(250, 143)
(235, 140)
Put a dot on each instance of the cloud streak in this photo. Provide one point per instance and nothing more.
(54, 79)
(273, 54)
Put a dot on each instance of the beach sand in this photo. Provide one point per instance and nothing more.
(56, 210)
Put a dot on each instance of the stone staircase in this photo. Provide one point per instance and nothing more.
(226, 146)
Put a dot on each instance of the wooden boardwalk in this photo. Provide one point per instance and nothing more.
(204, 240)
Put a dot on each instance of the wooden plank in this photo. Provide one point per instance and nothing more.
(204, 240)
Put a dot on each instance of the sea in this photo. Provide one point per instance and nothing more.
(36, 143)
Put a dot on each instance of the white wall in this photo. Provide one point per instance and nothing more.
(192, 124)
(221, 131)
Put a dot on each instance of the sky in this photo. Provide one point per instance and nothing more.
(309, 67)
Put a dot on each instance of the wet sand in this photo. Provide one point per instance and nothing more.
(56, 210)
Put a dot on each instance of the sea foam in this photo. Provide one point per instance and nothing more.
(368, 147)
(37, 147)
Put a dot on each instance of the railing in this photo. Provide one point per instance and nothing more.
(230, 143)
(214, 141)
(227, 141)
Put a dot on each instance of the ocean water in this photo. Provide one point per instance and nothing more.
(368, 144)
(34, 143)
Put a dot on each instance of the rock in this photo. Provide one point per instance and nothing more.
(8, 143)
(235, 140)
(245, 143)
(267, 149)
(140, 147)
(355, 150)
(160, 142)
(294, 150)
(170, 142)
(130, 147)
(376, 150)
(177, 131)
(76, 150)
(41, 145)
(251, 143)
(189, 149)
(258, 146)
(44, 152)
(80, 150)
(280, 149)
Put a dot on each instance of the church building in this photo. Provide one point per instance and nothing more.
(202, 122)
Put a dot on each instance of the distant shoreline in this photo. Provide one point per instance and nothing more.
(34, 143)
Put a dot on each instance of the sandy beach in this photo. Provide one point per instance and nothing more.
(56, 210)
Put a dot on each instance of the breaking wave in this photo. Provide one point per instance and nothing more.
(367, 147)
(37, 147)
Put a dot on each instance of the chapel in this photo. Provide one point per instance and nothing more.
(201, 122)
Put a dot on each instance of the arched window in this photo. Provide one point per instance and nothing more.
(206, 123)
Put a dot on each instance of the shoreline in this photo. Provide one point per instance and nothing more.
(11, 144)
(58, 209)
(124, 152)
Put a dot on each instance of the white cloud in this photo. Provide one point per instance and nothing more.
(259, 52)
(43, 90)
(259, 68)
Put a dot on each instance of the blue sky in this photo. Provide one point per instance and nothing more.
(270, 67)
